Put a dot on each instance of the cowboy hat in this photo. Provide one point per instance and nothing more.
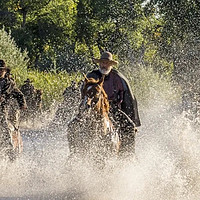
(106, 56)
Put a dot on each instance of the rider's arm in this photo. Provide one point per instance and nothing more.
(120, 89)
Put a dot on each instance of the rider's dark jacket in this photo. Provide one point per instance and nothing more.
(8, 92)
(117, 88)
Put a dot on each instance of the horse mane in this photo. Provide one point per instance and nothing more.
(103, 104)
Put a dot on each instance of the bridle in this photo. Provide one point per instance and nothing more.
(94, 94)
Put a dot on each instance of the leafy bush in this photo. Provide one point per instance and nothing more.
(12, 55)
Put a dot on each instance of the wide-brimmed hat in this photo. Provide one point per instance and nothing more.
(106, 56)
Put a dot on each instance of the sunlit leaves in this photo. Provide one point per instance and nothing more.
(180, 16)
(13, 56)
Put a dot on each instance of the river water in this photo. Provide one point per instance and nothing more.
(167, 164)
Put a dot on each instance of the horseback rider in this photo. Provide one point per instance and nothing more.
(33, 98)
(29, 92)
(9, 94)
(123, 104)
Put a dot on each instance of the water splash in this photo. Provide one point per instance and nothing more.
(167, 164)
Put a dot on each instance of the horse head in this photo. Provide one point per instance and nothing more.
(94, 96)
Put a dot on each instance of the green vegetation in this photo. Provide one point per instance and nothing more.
(149, 87)
(60, 37)
(52, 84)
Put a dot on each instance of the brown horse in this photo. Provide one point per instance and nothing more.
(10, 145)
(91, 131)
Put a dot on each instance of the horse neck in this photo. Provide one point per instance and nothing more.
(102, 107)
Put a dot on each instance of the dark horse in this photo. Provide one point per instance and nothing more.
(91, 132)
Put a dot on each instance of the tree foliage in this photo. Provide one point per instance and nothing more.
(41, 25)
(67, 34)
(179, 40)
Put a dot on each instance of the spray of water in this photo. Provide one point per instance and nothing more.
(167, 164)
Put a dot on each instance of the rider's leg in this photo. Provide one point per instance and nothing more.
(127, 130)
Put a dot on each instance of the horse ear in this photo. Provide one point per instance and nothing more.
(101, 80)
(86, 79)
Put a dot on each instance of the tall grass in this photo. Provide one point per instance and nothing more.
(52, 84)
(150, 86)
